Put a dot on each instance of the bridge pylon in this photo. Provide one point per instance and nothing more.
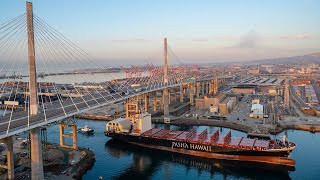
(166, 114)
(36, 146)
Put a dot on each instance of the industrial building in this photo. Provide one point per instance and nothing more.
(261, 84)
(256, 111)
(244, 90)
(216, 104)
(226, 106)
(305, 90)
(205, 102)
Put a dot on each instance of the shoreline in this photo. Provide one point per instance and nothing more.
(62, 162)
(273, 129)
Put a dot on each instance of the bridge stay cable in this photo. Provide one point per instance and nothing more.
(16, 90)
(80, 76)
(43, 56)
(55, 50)
(11, 58)
(98, 91)
(88, 58)
(16, 75)
(72, 54)
(42, 59)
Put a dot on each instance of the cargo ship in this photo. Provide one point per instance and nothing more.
(139, 131)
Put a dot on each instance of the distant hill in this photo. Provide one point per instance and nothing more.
(309, 58)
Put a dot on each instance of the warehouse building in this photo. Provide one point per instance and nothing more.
(256, 111)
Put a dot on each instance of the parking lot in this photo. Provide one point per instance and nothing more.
(243, 108)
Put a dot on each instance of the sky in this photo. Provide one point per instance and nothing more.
(198, 31)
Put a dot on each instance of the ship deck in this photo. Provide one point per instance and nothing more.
(206, 138)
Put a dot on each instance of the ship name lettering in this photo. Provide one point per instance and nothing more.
(180, 145)
(200, 147)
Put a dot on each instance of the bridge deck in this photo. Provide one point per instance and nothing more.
(56, 111)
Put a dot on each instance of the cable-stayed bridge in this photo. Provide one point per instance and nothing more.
(34, 91)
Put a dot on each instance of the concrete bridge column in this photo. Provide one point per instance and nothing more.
(187, 91)
(216, 86)
(191, 94)
(155, 102)
(146, 102)
(181, 93)
(169, 94)
(207, 87)
(166, 105)
(140, 101)
(175, 94)
(36, 155)
(74, 137)
(10, 157)
(198, 89)
(61, 134)
(162, 100)
(202, 88)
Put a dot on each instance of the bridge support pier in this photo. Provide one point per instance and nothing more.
(216, 86)
(10, 157)
(202, 88)
(207, 87)
(73, 135)
(155, 102)
(175, 95)
(36, 154)
(198, 89)
(210, 87)
(191, 94)
(181, 93)
(169, 96)
(146, 102)
(166, 105)
(61, 134)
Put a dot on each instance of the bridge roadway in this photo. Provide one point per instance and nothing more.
(290, 75)
(57, 111)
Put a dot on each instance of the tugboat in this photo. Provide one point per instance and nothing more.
(86, 130)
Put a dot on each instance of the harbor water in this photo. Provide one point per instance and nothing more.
(115, 160)
(73, 78)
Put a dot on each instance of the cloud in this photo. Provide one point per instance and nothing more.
(133, 40)
(296, 36)
(249, 40)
